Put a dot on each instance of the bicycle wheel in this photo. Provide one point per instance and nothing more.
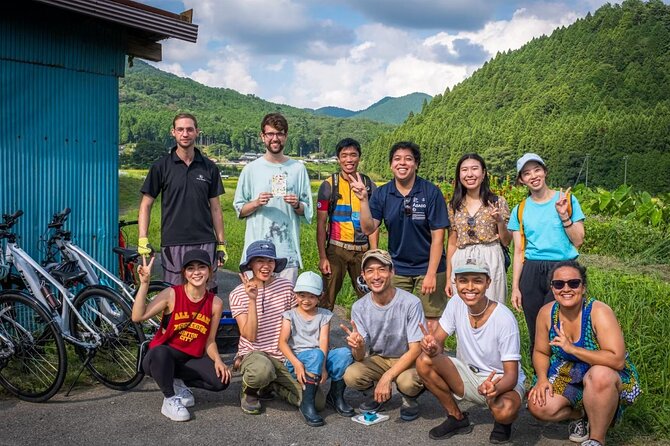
(33, 361)
(114, 361)
(151, 325)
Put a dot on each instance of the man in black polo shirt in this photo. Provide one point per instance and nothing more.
(191, 215)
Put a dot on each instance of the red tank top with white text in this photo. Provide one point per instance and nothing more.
(192, 321)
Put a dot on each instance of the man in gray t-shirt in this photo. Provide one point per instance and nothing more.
(385, 338)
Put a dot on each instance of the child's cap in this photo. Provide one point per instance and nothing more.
(309, 282)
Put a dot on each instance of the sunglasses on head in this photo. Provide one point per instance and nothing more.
(560, 284)
(408, 206)
(471, 223)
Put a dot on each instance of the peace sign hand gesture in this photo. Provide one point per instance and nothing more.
(562, 340)
(358, 186)
(488, 387)
(250, 287)
(354, 338)
(144, 270)
(496, 211)
(428, 343)
(562, 204)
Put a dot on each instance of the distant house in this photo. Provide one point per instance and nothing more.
(250, 156)
(60, 61)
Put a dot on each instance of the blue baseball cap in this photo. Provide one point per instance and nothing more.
(527, 158)
(309, 282)
(263, 248)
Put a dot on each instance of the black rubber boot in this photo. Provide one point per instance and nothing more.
(335, 399)
(307, 409)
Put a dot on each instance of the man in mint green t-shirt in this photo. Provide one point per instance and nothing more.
(273, 194)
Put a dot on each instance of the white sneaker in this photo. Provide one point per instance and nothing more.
(174, 409)
(183, 392)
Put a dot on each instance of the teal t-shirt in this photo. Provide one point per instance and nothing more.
(276, 221)
(545, 236)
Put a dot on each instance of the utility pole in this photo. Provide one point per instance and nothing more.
(586, 182)
(625, 169)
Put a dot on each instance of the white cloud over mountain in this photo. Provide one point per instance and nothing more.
(351, 53)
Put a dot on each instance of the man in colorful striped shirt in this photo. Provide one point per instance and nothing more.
(339, 237)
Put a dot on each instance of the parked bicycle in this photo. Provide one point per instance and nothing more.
(32, 352)
(95, 320)
(127, 257)
(73, 258)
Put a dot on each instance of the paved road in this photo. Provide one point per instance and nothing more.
(96, 415)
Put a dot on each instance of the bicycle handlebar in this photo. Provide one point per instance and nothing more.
(10, 220)
(123, 223)
(59, 218)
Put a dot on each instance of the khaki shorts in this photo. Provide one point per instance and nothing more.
(434, 303)
(472, 381)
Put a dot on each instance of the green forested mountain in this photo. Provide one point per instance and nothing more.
(598, 88)
(335, 112)
(149, 99)
(389, 110)
(395, 110)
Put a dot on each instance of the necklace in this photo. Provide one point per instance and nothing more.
(476, 315)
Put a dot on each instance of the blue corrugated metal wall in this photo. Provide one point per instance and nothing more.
(59, 111)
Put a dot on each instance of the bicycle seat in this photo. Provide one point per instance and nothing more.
(129, 255)
(68, 278)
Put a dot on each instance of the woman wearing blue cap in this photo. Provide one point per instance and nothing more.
(258, 304)
(547, 228)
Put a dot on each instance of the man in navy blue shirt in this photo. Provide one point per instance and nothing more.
(415, 215)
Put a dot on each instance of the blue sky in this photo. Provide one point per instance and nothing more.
(351, 53)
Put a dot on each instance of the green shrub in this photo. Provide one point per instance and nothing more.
(625, 239)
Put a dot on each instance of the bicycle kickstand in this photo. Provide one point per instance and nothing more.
(89, 356)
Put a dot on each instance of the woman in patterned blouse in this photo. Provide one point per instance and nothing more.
(478, 220)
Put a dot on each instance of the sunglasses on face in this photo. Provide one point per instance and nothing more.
(408, 206)
(471, 223)
(560, 284)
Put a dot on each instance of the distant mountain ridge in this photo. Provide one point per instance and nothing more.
(389, 109)
(149, 98)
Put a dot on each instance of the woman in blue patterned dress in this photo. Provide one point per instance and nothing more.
(583, 370)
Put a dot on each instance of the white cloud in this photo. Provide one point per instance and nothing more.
(388, 61)
(512, 34)
(330, 64)
(174, 68)
(230, 69)
(276, 66)
(268, 27)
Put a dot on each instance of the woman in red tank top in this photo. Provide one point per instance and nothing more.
(183, 351)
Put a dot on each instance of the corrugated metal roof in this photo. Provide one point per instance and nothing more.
(134, 15)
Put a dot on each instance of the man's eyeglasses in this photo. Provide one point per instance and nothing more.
(272, 135)
(560, 284)
(408, 206)
(471, 223)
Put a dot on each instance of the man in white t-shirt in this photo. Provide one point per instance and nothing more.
(487, 369)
